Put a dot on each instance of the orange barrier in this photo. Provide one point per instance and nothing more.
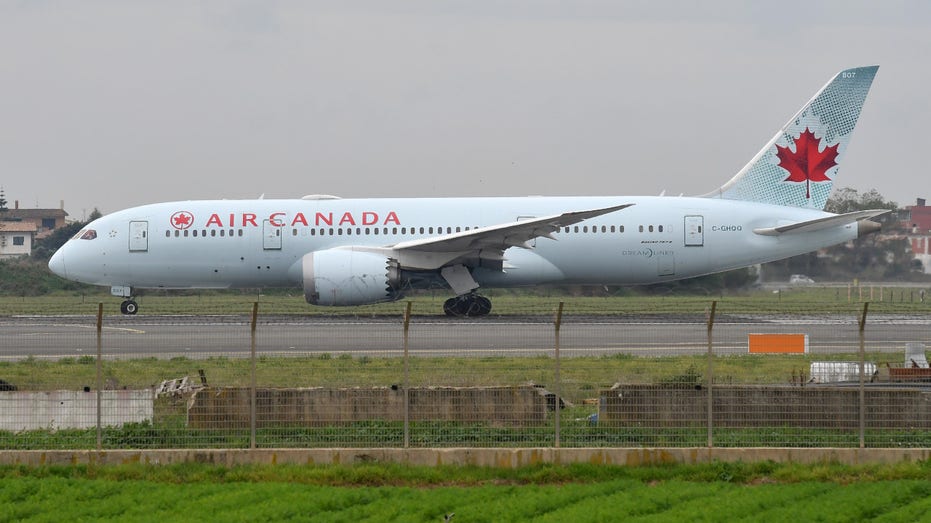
(778, 343)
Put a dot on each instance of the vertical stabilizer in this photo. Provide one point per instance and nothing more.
(797, 167)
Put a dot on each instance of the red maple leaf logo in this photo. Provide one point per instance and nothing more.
(807, 164)
(182, 220)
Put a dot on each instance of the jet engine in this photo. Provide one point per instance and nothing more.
(342, 277)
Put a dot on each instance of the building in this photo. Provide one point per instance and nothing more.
(16, 238)
(44, 220)
(917, 224)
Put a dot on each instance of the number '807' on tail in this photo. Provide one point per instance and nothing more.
(797, 167)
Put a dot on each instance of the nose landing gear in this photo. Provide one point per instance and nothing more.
(129, 307)
(470, 305)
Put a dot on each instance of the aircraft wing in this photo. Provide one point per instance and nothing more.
(821, 223)
(487, 243)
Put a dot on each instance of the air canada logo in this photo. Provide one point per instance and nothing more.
(807, 163)
(181, 220)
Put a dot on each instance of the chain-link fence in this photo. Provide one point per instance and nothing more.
(546, 372)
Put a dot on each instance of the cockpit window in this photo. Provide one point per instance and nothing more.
(87, 234)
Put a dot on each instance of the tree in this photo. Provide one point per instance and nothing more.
(2, 200)
(846, 200)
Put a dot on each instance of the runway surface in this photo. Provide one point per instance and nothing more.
(56, 337)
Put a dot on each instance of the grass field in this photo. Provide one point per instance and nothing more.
(578, 493)
(801, 300)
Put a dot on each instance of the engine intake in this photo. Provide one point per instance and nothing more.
(343, 277)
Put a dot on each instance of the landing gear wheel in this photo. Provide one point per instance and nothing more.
(470, 305)
(129, 307)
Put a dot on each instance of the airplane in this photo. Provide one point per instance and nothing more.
(345, 252)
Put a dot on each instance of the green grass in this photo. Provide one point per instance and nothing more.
(582, 376)
(815, 300)
(386, 492)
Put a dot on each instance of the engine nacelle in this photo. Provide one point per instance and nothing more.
(344, 277)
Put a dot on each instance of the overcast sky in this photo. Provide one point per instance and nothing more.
(112, 104)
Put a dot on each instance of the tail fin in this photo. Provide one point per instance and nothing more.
(797, 167)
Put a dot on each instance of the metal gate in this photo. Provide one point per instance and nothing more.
(694, 231)
(138, 236)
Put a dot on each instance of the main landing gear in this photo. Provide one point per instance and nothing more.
(129, 307)
(467, 305)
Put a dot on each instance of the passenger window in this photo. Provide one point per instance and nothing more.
(185, 233)
(167, 234)
(458, 229)
(339, 231)
(660, 228)
(349, 231)
(431, 230)
(622, 228)
(403, 230)
(240, 233)
(293, 232)
(331, 232)
(394, 230)
(585, 228)
(376, 231)
(177, 233)
(612, 228)
(576, 228)
(421, 230)
(651, 228)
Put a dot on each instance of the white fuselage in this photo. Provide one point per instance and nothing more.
(260, 243)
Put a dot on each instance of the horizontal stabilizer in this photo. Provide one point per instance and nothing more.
(821, 223)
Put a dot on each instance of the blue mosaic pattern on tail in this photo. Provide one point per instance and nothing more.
(831, 115)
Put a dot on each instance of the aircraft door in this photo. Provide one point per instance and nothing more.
(694, 231)
(138, 236)
(665, 264)
(271, 236)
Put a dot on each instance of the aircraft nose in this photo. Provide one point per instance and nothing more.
(57, 263)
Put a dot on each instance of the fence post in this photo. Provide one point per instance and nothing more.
(557, 323)
(866, 307)
(714, 305)
(99, 373)
(252, 407)
(406, 385)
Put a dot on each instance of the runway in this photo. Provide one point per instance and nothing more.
(54, 337)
